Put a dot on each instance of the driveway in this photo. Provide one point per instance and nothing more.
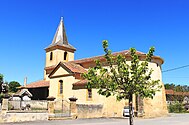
(173, 119)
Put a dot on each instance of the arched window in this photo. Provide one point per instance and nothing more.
(51, 55)
(65, 55)
(61, 86)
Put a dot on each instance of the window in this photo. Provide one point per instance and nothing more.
(51, 55)
(65, 55)
(61, 86)
(89, 94)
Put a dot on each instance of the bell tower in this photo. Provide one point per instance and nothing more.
(58, 50)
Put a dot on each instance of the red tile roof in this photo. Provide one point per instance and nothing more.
(101, 57)
(181, 93)
(50, 67)
(169, 91)
(37, 84)
(172, 92)
(74, 67)
(80, 83)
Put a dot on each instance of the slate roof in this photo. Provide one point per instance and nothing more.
(60, 43)
(60, 38)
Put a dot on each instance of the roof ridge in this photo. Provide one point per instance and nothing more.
(114, 53)
(74, 67)
(36, 81)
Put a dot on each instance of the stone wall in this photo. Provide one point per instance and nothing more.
(38, 104)
(21, 117)
(157, 106)
(35, 104)
(89, 110)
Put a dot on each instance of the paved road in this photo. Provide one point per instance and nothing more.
(174, 119)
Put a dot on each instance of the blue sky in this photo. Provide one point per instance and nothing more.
(28, 26)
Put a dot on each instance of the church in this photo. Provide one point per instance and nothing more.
(62, 80)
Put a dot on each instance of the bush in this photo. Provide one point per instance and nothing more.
(1, 98)
(176, 108)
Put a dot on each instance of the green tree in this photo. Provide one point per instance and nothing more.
(13, 86)
(1, 77)
(178, 88)
(167, 86)
(185, 88)
(121, 78)
(1, 82)
(176, 108)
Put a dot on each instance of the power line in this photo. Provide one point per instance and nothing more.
(175, 68)
(178, 77)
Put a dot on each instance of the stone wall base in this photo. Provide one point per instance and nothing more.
(89, 111)
(22, 117)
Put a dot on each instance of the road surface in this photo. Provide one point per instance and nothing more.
(173, 119)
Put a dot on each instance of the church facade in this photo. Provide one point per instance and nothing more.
(62, 77)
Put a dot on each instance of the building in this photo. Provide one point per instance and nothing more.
(174, 96)
(62, 80)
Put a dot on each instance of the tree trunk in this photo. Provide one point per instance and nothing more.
(137, 103)
(130, 110)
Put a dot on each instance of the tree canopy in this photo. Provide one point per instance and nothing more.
(8, 87)
(1, 77)
(13, 86)
(122, 77)
(177, 88)
(1, 82)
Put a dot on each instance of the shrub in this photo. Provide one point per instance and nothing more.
(176, 108)
(1, 98)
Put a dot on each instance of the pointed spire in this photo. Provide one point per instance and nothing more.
(62, 18)
(60, 35)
